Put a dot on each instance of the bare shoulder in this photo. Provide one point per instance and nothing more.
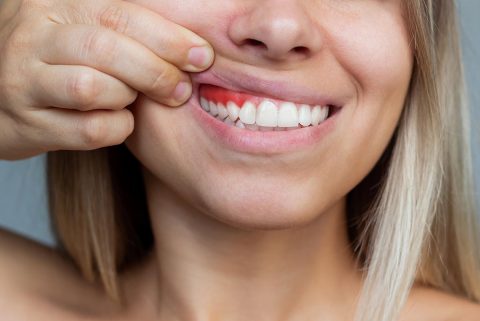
(436, 305)
(22, 258)
(37, 279)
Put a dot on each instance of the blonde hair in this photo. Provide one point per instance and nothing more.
(412, 219)
(423, 225)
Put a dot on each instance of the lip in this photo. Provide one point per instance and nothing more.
(272, 88)
(258, 142)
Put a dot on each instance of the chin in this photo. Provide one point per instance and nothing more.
(261, 205)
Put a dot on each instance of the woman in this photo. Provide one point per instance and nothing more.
(319, 171)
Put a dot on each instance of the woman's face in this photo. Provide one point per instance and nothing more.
(351, 54)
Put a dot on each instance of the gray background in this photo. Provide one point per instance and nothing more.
(22, 183)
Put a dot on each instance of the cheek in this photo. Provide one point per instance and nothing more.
(377, 55)
(379, 61)
(375, 52)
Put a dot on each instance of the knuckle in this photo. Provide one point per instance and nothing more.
(12, 98)
(83, 89)
(115, 17)
(26, 7)
(99, 46)
(16, 115)
(17, 34)
(28, 4)
(92, 131)
(8, 89)
(17, 41)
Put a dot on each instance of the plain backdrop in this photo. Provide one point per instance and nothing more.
(23, 205)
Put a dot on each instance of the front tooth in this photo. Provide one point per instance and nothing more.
(247, 113)
(267, 114)
(233, 110)
(204, 104)
(324, 114)
(288, 115)
(319, 114)
(213, 109)
(305, 115)
(222, 111)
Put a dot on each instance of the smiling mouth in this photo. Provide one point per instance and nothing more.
(256, 113)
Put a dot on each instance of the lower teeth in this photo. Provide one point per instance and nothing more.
(254, 127)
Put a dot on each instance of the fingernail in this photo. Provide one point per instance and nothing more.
(182, 91)
(200, 57)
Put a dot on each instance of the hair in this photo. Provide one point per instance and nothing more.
(411, 219)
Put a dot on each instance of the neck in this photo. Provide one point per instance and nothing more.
(208, 270)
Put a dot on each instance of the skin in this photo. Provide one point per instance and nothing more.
(226, 221)
(231, 241)
(71, 94)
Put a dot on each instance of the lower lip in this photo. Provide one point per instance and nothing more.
(258, 142)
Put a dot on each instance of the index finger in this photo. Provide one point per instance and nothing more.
(170, 41)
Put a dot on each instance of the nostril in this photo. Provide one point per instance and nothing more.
(254, 43)
(301, 50)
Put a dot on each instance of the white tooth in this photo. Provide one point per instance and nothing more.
(305, 115)
(229, 122)
(239, 124)
(213, 109)
(222, 111)
(267, 114)
(204, 104)
(247, 113)
(316, 111)
(253, 127)
(288, 115)
(324, 113)
(293, 128)
(319, 114)
(233, 110)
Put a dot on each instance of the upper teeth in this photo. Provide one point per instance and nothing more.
(268, 113)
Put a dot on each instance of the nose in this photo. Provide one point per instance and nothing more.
(276, 30)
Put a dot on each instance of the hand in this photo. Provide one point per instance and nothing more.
(69, 68)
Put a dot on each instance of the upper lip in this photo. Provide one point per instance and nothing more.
(272, 88)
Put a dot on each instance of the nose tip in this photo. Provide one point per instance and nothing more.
(277, 30)
(276, 42)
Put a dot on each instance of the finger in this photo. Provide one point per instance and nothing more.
(81, 88)
(165, 38)
(120, 57)
(65, 129)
